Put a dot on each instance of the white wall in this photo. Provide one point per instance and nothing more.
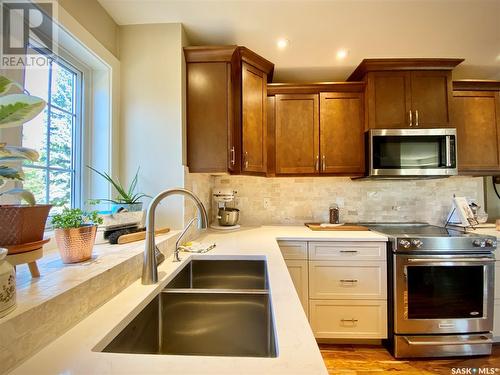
(152, 112)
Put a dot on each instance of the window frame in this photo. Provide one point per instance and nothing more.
(81, 127)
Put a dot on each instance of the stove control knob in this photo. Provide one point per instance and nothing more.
(490, 243)
(404, 243)
(478, 243)
(417, 243)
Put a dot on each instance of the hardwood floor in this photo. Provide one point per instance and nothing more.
(365, 359)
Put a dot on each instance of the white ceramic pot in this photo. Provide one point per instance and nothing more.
(7, 285)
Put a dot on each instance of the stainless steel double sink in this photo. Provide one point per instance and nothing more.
(211, 307)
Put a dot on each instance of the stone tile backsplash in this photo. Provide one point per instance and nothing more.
(294, 200)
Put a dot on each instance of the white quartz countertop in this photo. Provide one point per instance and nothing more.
(75, 351)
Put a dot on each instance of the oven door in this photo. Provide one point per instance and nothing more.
(412, 152)
(443, 293)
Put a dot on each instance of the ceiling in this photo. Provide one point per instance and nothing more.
(316, 30)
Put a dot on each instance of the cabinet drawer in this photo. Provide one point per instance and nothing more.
(347, 280)
(344, 319)
(347, 251)
(293, 249)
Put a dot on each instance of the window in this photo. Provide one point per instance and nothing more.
(55, 134)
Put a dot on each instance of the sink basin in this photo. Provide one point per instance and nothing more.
(221, 274)
(212, 307)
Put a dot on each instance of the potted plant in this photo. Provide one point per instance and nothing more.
(75, 232)
(127, 198)
(19, 223)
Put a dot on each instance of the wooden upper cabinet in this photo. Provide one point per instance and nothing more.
(403, 93)
(342, 133)
(476, 114)
(208, 116)
(254, 129)
(431, 93)
(297, 133)
(226, 109)
(388, 100)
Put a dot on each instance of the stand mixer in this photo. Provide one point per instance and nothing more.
(227, 217)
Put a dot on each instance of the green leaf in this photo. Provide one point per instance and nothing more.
(11, 173)
(14, 153)
(133, 184)
(17, 109)
(75, 218)
(6, 84)
(22, 194)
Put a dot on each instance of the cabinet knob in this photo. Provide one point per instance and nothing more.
(416, 117)
(323, 164)
(246, 159)
(411, 118)
(316, 164)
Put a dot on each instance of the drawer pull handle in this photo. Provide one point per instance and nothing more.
(348, 281)
(349, 251)
(349, 320)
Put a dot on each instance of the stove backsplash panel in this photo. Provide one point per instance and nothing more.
(293, 200)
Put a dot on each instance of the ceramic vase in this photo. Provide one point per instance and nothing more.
(7, 285)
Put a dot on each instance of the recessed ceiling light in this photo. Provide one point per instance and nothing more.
(342, 54)
(282, 43)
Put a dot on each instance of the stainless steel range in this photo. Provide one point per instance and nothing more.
(441, 291)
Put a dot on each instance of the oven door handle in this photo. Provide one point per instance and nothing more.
(481, 340)
(468, 260)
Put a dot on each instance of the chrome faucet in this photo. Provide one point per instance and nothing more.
(150, 267)
(177, 247)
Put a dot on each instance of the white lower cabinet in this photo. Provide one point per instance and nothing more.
(341, 285)
(496, 321)
(348, 319)
(496, 313)
(299, 274)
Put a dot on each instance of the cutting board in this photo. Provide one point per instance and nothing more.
(139, 236)
(344, 227)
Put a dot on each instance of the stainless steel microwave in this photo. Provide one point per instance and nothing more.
(412, 152)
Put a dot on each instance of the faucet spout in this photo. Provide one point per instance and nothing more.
(150, 266)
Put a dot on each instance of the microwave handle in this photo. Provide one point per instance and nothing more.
(448, 150)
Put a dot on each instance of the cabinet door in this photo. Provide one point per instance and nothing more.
(476, 116)
(297, 134)
(208, 116)
(388, 98)
(496, 321)
(254, 130)
(298, 273)
(431, 93)
(342, 133)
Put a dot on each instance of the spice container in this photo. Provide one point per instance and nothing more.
(334, 214)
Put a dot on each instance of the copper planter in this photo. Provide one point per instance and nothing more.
(76, 244)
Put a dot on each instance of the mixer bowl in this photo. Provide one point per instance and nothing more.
(228, 216)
